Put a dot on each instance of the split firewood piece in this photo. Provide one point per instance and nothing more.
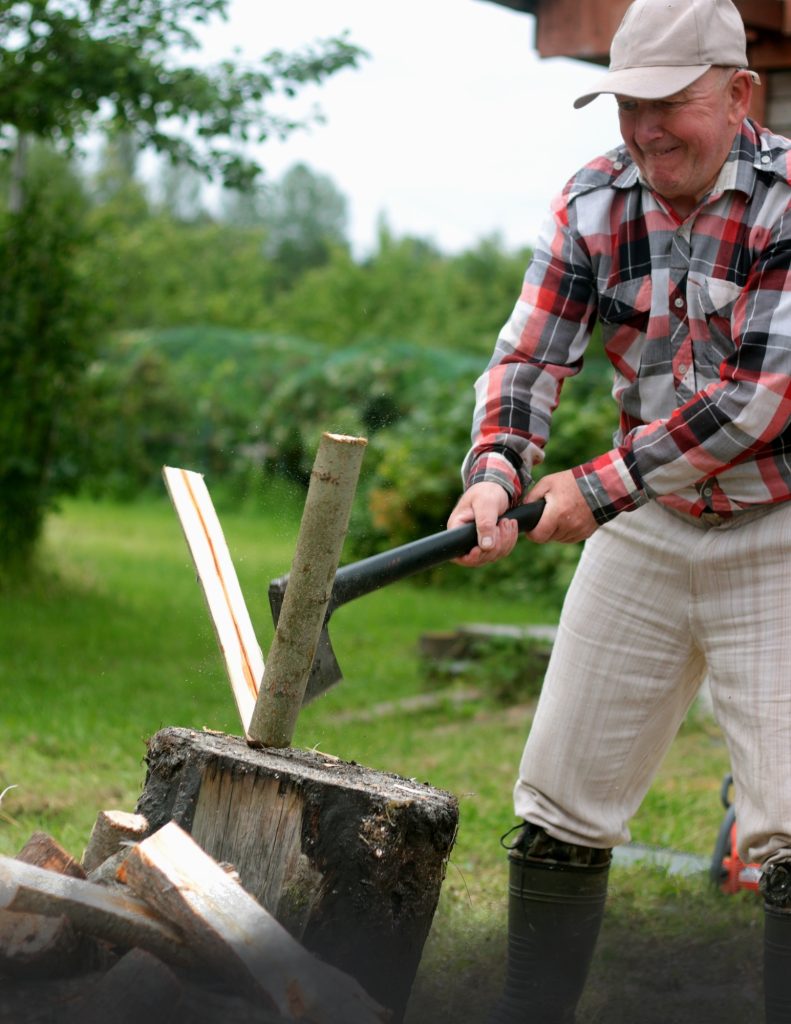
(32, 945)
(243, 942)
(107, 872)
(325, 520)
(116, 917)
(241, 652)
(138, 988)
(45, 852)
(111, 831)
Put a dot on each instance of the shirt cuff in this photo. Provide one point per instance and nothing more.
(492, 467)
(611, 484)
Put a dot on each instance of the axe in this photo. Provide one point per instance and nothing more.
(363, 577)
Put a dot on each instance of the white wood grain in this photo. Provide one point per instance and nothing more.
(240, 649)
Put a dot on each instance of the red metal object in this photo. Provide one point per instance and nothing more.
(728, 871)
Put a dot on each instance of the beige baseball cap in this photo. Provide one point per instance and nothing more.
(662, 46)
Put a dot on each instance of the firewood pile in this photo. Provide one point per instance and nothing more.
(149, 928)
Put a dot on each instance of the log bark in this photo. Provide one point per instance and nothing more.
(325, 520)
(111, 832)
(106, 914)
(45, 852)
(351, 860)
(237, 938)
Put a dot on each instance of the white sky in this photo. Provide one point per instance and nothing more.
(453, 128)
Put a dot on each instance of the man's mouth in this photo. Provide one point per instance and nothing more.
(657, 154)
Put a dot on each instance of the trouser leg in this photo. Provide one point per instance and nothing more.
(744, 609)
(557, 893)
(624, 669)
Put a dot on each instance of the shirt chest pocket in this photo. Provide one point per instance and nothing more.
(626, 304)
(711, 303)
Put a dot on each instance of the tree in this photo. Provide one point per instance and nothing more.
(305, 216)
(68, 66)
(46, 329)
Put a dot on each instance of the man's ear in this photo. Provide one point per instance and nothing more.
(740, 91)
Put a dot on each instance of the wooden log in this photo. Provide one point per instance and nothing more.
(142, 990)
(45, 852)
(106, 873)
(325, 520)
(237, 938)
(116, 917)
(351, 859)
(111, 831)
(241, 652)
(32, 945)
(138, 988)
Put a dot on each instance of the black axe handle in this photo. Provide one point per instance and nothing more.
(363, 577)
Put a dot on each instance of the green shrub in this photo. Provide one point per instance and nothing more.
(186, 396)
(47, 329)
(240, 406)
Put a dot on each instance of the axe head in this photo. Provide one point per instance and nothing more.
(325, 671)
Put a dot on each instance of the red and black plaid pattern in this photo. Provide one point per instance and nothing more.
(695, 318)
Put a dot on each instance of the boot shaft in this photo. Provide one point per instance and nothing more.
(554, 915)
(777, 965)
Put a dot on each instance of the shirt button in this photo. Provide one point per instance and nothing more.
(766, 159)
(678, 302)
(707, 492)
(683, 369)
(617, 166)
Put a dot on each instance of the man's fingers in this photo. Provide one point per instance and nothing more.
(487, 528)
(483, 504)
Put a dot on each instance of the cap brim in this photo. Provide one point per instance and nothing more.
(646, 83)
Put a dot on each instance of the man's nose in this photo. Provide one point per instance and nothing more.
(648, 125)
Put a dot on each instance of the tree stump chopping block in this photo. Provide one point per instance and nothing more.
(349, 859)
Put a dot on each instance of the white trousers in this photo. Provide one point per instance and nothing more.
(658, 601)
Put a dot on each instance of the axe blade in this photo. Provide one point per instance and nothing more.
(325, 672)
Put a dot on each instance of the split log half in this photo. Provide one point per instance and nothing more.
(237, 938)
(228, 612)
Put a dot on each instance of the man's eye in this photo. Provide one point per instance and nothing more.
(627, 107)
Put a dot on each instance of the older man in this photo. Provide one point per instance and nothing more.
(678, 243)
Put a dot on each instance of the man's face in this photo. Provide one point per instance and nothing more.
(679, 143)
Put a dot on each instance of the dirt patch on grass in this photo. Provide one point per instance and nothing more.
(670, 952)
(678, 979)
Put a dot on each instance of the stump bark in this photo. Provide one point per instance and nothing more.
(349, 859)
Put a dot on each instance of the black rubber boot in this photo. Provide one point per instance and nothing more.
(555, 910)
(775, 886)
(777, 965)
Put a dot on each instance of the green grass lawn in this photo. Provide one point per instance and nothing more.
(112, 641)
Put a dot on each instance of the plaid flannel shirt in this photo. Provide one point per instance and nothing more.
(695, 318)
